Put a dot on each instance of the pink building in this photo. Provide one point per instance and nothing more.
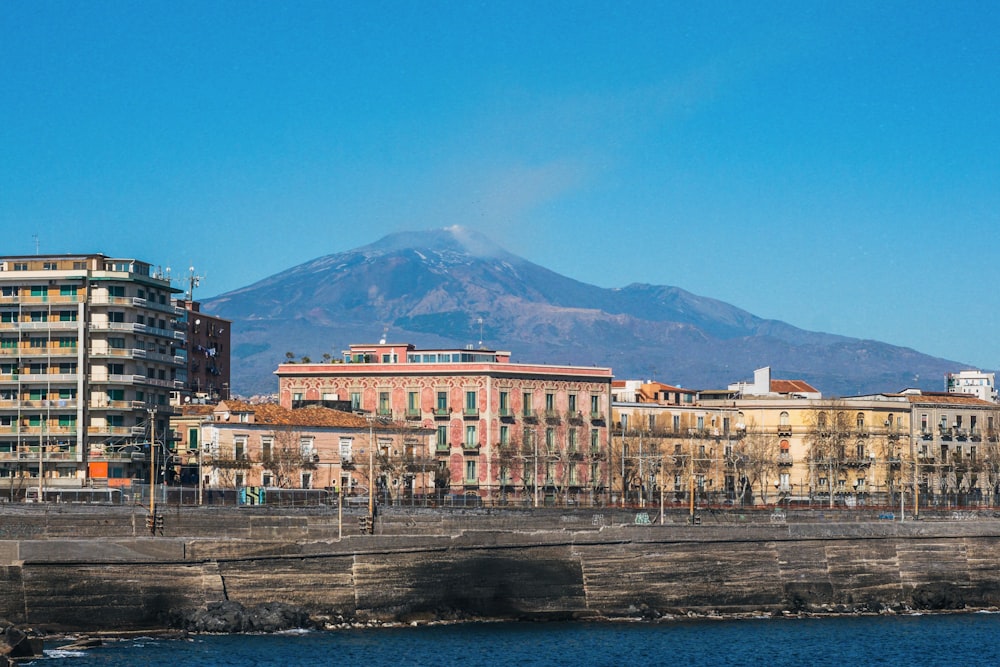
(499, 426)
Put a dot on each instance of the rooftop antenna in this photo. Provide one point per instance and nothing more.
(480, 320)
(385, 332)
(193, 281)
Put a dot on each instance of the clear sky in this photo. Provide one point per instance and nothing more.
(835, 165)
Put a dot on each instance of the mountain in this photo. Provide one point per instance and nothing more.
(454, 287)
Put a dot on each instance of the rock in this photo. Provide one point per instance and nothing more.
(15, 643)
(232, 617)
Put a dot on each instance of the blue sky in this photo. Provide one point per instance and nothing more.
(835, 165)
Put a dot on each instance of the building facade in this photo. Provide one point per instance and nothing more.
(90, 351)
(208, 354)
(977, 383)
(503, 431)
(233, 445)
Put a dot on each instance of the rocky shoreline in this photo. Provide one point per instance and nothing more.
(228, 618)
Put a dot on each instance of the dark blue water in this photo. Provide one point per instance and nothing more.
(960, 639)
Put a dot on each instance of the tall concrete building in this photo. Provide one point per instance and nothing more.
(90, 351)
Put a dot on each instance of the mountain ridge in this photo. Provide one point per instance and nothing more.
(454, 287)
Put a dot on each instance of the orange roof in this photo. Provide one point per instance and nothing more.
(792, 387)
(274, 414)
(944, 399)
(196, 410)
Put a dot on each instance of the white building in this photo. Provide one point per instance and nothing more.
(976, 383)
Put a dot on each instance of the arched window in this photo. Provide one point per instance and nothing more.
(784, 446)
(861, 420)
(821, 420)
(783, 419)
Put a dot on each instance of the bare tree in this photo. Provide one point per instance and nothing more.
(832, 430)
(285, 459)
(754, 461)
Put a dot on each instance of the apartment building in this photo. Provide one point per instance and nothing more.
(977, 383)
(90, 350)
(503, 431)
(235, 444)
(955, 447)
(667, 444)
(207, 377)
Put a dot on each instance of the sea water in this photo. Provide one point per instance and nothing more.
(925, 640)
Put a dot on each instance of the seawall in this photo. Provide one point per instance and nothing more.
(482, 565)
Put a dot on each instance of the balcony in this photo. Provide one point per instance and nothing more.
(470, 413)
(412, 414)
(530, 416)
(785, 431)
(506, 414)
(552, 417)
(784, 459)
(470, 447)
(597, 416)
(575, 418)
(442, 413)
(30, 454)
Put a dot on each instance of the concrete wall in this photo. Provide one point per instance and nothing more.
(438, 571)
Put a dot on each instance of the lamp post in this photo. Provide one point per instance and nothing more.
(371, 473)
(534, 478)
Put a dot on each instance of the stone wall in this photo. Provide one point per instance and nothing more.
(579, 570)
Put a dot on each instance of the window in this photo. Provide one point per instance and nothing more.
(383, 403)
(550, 439)
(116, 394)
(355, 400)
(470, 471)
(504, 435)
(572, 440)
(39, 291)
(526, 403)
(307, 480)
(595, 439)
(572, 403)
(306, 447)
(860, 449)
(471, 441)
(595, 405)
(37, 343)
(471, 402)
(412, 403)
(860, 420)
(240, 447)
(701, 423)
(677, 423)
(442, 402)
(441, 441)
(67, 316)
(346, 450)
(550, 403)
(783, 419)
(504, 404)
(652, 422)
(116, 316)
